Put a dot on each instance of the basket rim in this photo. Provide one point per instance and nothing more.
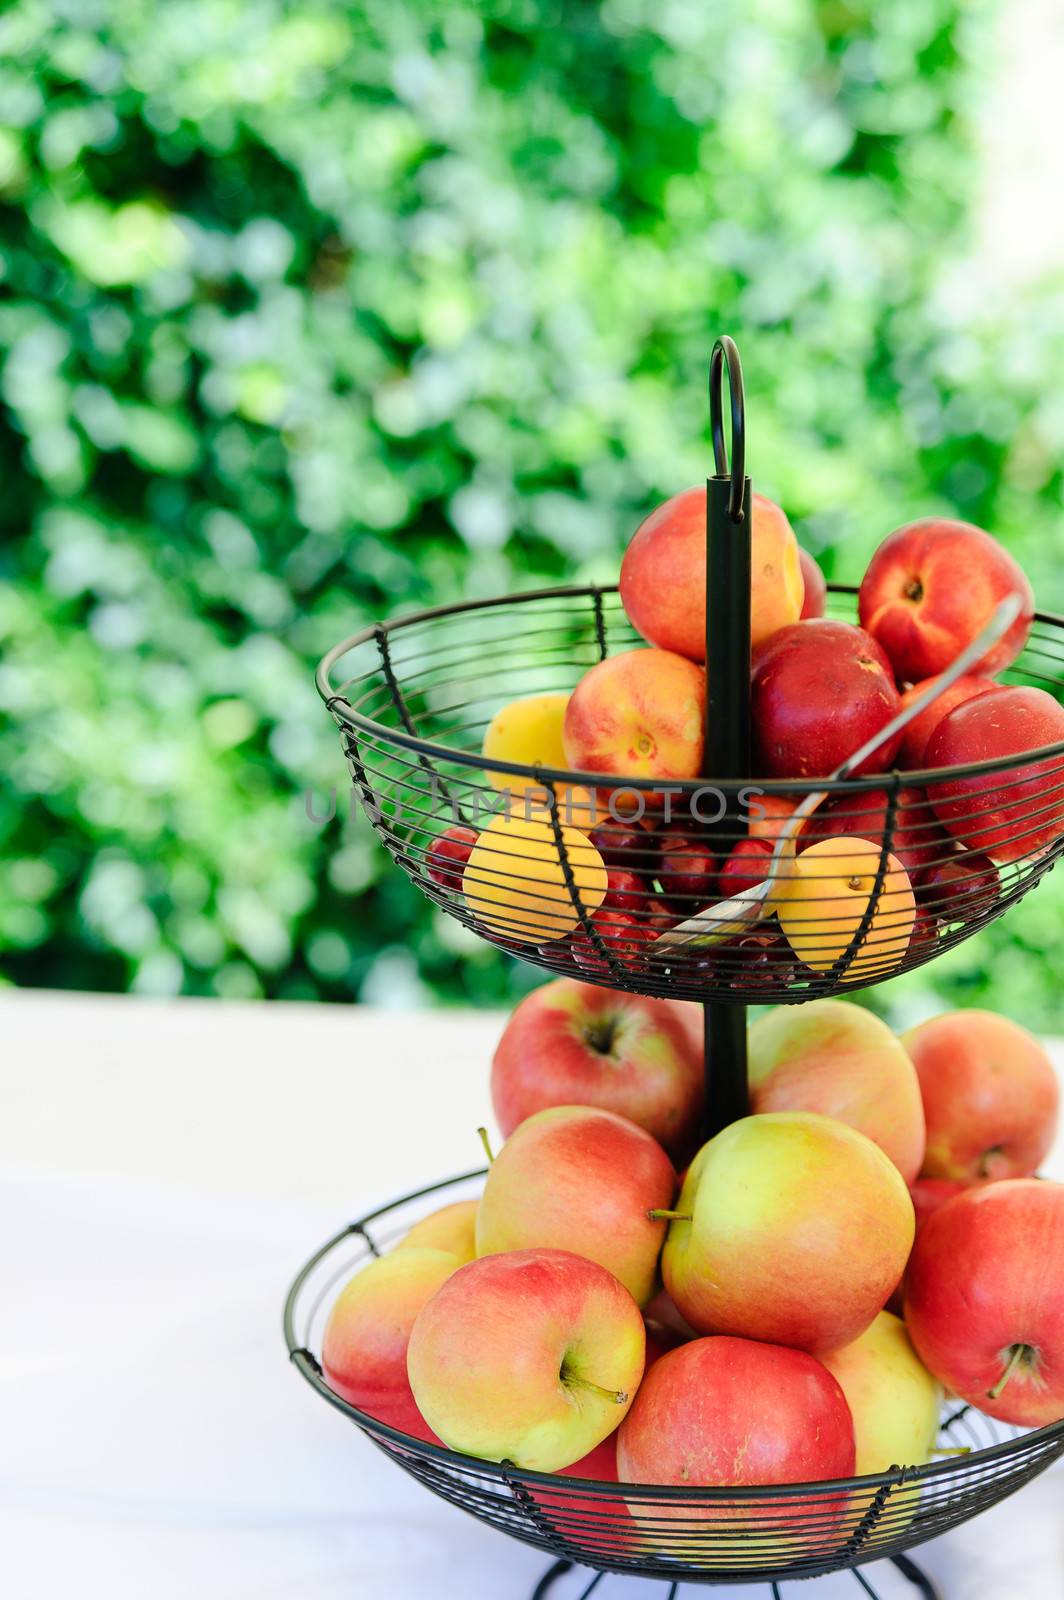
(307, 1365)
(346, 715)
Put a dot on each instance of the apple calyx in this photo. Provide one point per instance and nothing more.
(619, 1397)
(663, 1214)
(986, 1160)
(1020, 1355)
(482, 1135)
(600, 1034)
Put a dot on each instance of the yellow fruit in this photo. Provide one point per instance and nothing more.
(515, 882)
(894, 1400)
(451, 1228)
(529, 732)
(823, 898)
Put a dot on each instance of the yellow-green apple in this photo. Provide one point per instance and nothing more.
(893, 1399)
(929, 589)
(585, 1517)
(1009, 814)
(837, 1058)
(791, 1227)
(914, 739)
(663, 574)
(530, 1356)
(363, 1353)
(638, 715)
(984, 1299)
(990, 1093)
(451, 1228)
(721, 1412)
(819, 689)
(576, 1178)
(576, 1044)
(816, 589)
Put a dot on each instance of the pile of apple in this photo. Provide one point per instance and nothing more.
(593, 1312)
(820, 689)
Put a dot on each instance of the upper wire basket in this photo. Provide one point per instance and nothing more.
(677, 1533)
(412, 699)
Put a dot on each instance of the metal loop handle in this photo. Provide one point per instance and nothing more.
(724, 351)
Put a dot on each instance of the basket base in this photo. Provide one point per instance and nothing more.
(905, 1565)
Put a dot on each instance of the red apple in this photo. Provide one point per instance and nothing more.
(927, 1194)
(721, 1412)
(990, 1093)
(576, 1178)
(687, 872)
(446, 857)
(923, 941)
(529, 1356)
(816, 589)
(1011, 814)
(960, 887)
(575, 1044)
(914, 739)
(791, 1227)
(984, 1299)
(364, 1348)
(929, 589)
(917, 839)
(638, 715)
(663, 574)
(819, 690)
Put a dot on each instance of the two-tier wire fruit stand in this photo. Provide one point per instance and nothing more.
(412, 698)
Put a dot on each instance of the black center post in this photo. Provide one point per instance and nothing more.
(727, 744)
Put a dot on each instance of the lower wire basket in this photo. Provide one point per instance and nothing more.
(677, 1534)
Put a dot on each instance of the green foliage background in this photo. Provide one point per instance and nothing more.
(314, 312)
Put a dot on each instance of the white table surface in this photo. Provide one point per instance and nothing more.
(166, 1166)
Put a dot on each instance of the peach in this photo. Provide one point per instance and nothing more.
(929, 589)
(570, 1043)
(663, 574)
(822, 900)
(819, 689)
(837, 1058)
(914, 739)
(1012, 814)
(515, 880)
(639, 714)
(364, 1348)
(990, 1095)
(576, 1178)
(816, 589)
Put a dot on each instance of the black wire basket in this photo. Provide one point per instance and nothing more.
(677, 1534)
(412, 699)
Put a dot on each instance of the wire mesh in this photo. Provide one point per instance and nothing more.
(686, 1534)
(599, 872)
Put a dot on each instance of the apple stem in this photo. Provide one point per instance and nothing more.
(663, 1214)
(1019, 1351)
(618, 1396)
(482, 1134)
